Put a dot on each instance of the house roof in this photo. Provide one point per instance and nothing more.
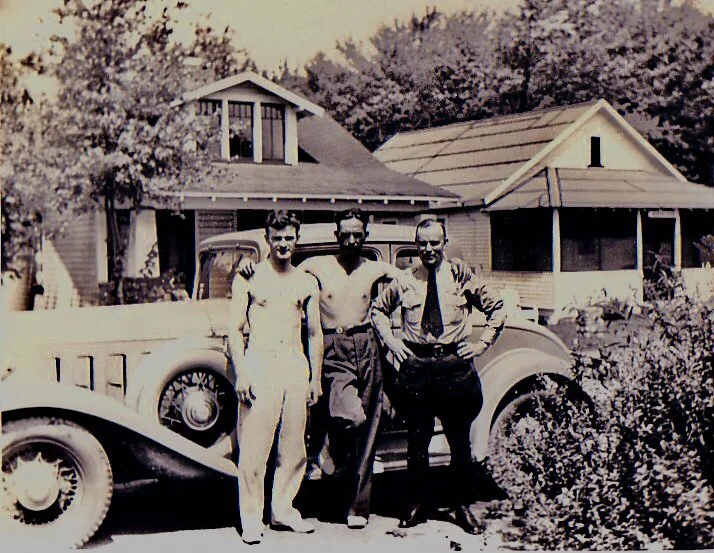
(343, 169)
(487, 161)
(249, 77)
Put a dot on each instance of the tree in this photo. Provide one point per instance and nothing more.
(21, 133)
(112, 137)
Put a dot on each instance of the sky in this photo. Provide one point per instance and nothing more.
(271, 30)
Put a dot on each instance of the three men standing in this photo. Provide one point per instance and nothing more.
(436, 375)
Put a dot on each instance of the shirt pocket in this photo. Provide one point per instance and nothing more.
(454, 308)
(412, 306)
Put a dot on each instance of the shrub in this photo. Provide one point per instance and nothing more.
(168, 286)
(639, 471)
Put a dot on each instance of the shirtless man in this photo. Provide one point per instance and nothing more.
(352, 372)
(274, 379)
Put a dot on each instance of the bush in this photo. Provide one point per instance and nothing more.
(168, 286)
(640, 472)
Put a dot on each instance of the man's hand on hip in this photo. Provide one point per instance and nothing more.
(470, 350)
(399, 349)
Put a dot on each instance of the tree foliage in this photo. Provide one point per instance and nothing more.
(651, 59)
(112, 137)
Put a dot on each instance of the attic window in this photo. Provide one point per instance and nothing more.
(595, 152)
(273, 132)
(240, 117)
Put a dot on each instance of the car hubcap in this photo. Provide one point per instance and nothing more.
(200, 405)
(37, 487)
(200, 410)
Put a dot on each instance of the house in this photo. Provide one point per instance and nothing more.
(563, 205)
(271, 149)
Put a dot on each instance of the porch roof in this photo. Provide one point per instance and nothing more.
(605, 188)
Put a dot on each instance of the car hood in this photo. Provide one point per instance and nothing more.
(26, 332)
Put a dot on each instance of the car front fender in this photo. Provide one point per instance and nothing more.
(500, 376)
(28, 398)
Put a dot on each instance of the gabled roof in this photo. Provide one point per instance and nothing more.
(343, 169)
(486, 161)
(261, 82)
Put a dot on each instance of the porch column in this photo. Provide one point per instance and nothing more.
(677, 239)
(556, 240)
(257, 133)
(225, 131)
(142, 250)
(640, 245)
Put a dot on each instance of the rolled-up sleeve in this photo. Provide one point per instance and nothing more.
(491, 305)
(388, 299)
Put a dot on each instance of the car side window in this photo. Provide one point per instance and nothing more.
(218, 269)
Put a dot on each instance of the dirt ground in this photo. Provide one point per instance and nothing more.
(201, 517)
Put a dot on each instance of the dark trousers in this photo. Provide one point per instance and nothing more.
(449, 388)
(352, 378)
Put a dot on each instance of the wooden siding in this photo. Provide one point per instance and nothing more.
(471, 233)
(537, 289)
(69, 266)
(215, 221)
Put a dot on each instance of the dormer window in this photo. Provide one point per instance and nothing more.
(273, 121)
(211, 110)
(240, 116)
(595, 152)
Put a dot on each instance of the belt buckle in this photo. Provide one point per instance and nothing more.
(438, 350)
(340, 330)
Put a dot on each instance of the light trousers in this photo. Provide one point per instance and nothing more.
(280, 382)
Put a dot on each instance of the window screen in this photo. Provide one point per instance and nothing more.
(598, 239)
(522, 240)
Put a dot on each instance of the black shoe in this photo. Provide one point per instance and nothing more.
(416, 515)
(466, 520)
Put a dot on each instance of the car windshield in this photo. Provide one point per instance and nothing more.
(218, 268)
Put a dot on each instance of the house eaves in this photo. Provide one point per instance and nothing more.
(298, 101)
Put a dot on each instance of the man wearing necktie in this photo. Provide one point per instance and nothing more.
(437, 377)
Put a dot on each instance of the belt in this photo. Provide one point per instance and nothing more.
(351, 331)
(432, 350)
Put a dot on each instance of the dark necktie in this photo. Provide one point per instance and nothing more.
(431, 317)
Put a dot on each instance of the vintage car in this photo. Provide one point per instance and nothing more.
(95, 398)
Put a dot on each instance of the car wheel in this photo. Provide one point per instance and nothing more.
(198, 403)
(56, 482)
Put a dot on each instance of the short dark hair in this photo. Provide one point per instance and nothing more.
(353, 213)
(279, 219)
(426, 223)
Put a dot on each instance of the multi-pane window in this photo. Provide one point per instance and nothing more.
(211, 111)
(522, 240)
(240, 117)
(598, 239)
(273, 132)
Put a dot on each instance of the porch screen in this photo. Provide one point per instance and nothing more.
(522, 240)
(598, 239)
(696, 225)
